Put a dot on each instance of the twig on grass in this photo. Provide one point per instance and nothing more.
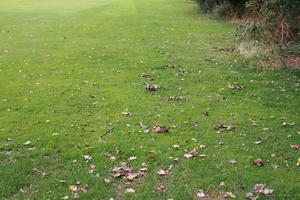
(110, 130)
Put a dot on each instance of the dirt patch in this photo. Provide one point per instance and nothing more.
(290, 61)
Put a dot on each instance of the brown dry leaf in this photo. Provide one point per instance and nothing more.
(126, 172)
(288, 124)
(295, 146)
(232, 161)
(206, 114)
(130, 190)
(191, 153)
(122, 170)
(162, 172)
(165, 172)
(235, 86)
(84, 187)
(222, 127)
(126, 113)
(251, 196)
(160, 129)
(144, 75)
(132, 158)
(65, 197)
(73, 188)
(92, 166)
(257, 142)
(161, 188)
(151, 87)
(262, 189)
(87, 157)
(229, 195)
(110, 156)
(106, 180)
(177, 98)
(28, 143)
(200, 194)
(258, 162)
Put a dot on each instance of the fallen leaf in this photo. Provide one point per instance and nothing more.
(73, 188)
(251, 196)
(126, 113)
(206, 114)
(288, 124)
(84, 187)
(191, 153)
(132, 158)
(87, 157)
(106, 180)
(222, 127)
(144, 75)
(28, 143)
(229, 195)
(160, 129)
(262, 189)
(162, 172)
(126, 171)
(295, 146)
(177, 98)
(130, 190)
(232, 161)
(200, 194)
(258, 162)
(257, 142)
(235, 86)
(161, 188)
(151, 87)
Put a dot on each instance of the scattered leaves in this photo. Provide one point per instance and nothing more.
(127, 173)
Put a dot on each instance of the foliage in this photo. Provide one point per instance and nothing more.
(223, 8)
(275, 21)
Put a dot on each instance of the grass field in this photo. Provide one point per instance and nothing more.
(69, 68)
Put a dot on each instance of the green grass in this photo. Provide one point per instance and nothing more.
(71, 67)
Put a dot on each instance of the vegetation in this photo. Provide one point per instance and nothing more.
(73, 105)
(274, 21)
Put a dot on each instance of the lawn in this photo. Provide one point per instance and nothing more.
(73, 105)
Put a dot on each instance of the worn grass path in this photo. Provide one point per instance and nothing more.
(69, 68)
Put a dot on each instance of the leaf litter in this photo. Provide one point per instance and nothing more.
(222, 127)
(127, 172)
